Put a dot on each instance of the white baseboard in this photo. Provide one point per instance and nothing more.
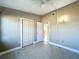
(65, 47)
(36, 42)
(8, 51)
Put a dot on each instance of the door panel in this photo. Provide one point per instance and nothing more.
(40, 32)
(28, 32)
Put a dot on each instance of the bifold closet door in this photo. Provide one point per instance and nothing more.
(28, 32)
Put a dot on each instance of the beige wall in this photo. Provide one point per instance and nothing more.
(10, 27)
(66, 33)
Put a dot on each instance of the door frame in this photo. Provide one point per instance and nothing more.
(21, 32)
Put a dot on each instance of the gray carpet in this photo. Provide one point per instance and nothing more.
(41, 51)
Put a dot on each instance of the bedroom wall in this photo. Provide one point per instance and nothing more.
(10, 27)
(65, 33)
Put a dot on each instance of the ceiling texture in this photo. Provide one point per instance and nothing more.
(38, 7)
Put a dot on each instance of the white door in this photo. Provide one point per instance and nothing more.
(28, 32)
(40, 32)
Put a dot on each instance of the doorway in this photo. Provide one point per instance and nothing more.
(45, 33)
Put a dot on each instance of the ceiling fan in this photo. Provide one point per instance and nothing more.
(42, 2)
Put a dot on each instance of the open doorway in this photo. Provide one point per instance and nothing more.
(45, 33)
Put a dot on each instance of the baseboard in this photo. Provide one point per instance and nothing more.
(36, 42)
(8, 51)
(65, 47)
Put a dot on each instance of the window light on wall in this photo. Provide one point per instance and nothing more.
(63, 19)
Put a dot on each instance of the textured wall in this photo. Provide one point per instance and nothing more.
(66, 33)
(10, 27)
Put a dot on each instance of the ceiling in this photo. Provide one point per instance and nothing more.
(34, 6)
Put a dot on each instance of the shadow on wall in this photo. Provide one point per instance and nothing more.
(2, 46)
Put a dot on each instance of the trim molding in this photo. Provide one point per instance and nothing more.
(21, 31)
(8, 51)
(36, 42)
(64, 47)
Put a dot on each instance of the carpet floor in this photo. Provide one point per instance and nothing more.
(41, 51)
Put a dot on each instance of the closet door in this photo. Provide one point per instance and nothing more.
(28, 32)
